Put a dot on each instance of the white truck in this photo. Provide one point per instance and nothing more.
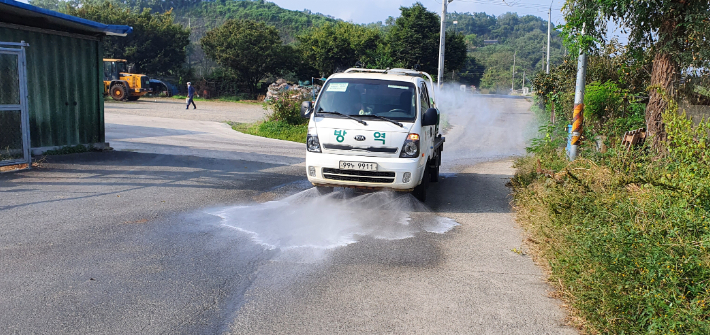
(374, 129)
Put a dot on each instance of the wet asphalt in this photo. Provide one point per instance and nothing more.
(126, 242)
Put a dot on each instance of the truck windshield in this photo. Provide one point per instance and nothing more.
(394, 100)
(121, 67)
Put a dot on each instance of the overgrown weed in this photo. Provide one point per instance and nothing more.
(626, 234)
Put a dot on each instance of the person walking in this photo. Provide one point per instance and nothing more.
(190, 95)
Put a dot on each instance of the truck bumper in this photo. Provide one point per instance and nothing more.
(324, 170)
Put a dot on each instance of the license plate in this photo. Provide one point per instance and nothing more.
(362, 166)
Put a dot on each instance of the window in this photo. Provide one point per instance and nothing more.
(424, 98)
(391, 99)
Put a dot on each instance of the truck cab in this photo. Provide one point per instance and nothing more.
(374, 129)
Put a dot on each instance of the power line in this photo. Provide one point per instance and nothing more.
(517, 4)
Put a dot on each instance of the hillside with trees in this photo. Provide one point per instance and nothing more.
(379, 44)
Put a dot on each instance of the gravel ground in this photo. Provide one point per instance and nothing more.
(219, 111)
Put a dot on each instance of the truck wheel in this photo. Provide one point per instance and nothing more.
(419, 192)
(118, 92)
(133, 98)
(322, 190)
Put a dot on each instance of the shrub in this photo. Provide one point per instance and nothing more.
(286, 106)
(602, 102)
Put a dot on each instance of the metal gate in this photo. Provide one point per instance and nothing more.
(14, 116)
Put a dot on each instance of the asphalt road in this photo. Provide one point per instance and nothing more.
(191, 228)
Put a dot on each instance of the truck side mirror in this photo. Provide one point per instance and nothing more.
(430, 117)
(306, 108)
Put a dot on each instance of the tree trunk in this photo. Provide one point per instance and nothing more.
(662, 77)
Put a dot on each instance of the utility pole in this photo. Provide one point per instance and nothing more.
(578, 115)
(442, 42)
(512, 82)
(523, 79)
(549, 23)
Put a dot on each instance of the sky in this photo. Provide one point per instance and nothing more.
(367, 11)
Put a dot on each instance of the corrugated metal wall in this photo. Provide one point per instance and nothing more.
(65, 90)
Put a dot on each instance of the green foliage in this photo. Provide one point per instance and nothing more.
(675, 27)
(602, 102)
(524, 35)
(285, 106)
(205, 16)
(280, 130)
(455, 57)
(550, 136)
(156, 46)
(471, 72)
(498, 63)
(252, 50)
(610, 65)
(633, 117)
(472, 41)
(414, 38)
(687, 143)
(627, 236)
(610, 110)
(338, 46)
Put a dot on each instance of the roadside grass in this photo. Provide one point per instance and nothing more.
(626, 234)
(273, 129)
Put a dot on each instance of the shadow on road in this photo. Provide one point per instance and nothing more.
(122, 132)
(91, 175)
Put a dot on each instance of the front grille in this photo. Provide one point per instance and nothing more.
(381, 177)
(145, 82)
(369, 149)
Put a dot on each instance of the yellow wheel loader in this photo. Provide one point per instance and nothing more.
(121, 84)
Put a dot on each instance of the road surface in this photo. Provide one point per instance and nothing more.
(191, 228)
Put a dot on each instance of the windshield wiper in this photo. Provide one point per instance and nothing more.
(384, 118)
(341, 114)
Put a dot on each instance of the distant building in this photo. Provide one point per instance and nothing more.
(489, 42)
(51, 86)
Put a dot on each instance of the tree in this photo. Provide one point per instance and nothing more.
(675, 30)
(471, 72)
(156, 46)
(414, 40)
(333, 47)
(455, 57)
(251, 49)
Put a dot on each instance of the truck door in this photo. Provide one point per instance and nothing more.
(428, 131)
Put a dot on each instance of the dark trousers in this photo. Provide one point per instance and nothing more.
(189, 101)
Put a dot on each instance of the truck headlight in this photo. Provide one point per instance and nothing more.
(312, 143)
(410, 149)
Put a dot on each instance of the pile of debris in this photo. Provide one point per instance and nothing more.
(282, 88)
